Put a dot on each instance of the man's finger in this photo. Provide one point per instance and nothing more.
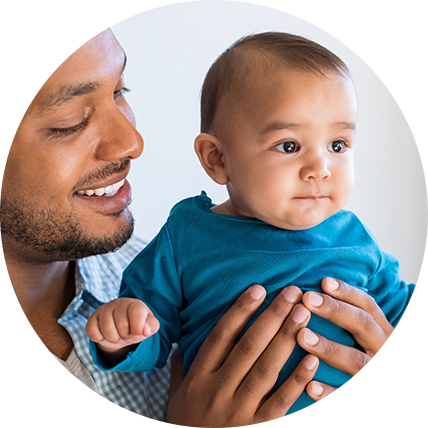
(256, 339)
(281, 400)
(358, 322)
(349, 360)
(354, 296)
(264, 373)
(221, 340)
(318, 390)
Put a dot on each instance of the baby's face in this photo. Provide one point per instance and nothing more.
(289, 152)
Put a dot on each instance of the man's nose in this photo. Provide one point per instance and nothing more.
(118, 137)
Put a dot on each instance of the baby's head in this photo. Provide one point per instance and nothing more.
(278, 116)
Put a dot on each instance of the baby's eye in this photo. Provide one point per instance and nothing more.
(288, 147)
(336, 146)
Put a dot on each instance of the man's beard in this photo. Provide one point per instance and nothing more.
(52, 236)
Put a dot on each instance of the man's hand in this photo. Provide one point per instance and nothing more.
(228, 384)
(119, 325)
(355, 311)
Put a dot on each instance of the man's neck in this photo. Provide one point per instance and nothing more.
(44, 291)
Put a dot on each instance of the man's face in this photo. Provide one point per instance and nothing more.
(289, 152)
(65, 194)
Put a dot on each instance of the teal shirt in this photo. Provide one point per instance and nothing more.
(201, 262)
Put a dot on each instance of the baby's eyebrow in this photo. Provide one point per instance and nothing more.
(277, 126)
(346, 125)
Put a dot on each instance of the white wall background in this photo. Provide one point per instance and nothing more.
(170, 49)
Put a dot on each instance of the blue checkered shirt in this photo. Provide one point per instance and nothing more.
(97, 281)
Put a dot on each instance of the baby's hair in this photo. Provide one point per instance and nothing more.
(228, 79)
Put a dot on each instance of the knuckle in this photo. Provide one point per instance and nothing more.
(301, 379)
(224, 381)
(191, 388)
(281, 401)
(246, 346)
(334, 305)
(216, 336)
(250, 388)
(264, 415)
(211, 403)
(328, 348)
(287, 332)
(109, 331)
(122, 326)
(241, 306)
(277, 310)
(264, 367)
(331, 305)
(371, 304)
(137, 306)
(212, 398)
(366, 321)
(360, 360)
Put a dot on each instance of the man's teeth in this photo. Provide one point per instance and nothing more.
(108, 191)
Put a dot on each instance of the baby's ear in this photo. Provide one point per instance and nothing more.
(210, 153)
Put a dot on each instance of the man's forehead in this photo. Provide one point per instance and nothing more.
(56, 93)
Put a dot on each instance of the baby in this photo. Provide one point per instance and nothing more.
(278, 127)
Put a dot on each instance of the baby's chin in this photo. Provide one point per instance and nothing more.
(299, 223)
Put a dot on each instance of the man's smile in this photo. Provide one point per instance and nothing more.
(108, 191)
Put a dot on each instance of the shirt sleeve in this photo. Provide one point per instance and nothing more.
(152, 278)
(390, 292)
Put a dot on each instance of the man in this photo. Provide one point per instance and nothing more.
(65, 199)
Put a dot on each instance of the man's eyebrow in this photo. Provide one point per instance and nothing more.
(64, 95)
(69, 92)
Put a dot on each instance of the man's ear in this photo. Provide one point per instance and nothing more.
(210, 153)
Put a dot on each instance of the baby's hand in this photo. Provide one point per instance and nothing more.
(121, 323)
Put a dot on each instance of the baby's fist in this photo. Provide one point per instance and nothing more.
(121, 323)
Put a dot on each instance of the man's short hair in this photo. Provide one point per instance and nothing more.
(229, 76)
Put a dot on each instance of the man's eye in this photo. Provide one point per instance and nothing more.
(288, 147)
(63, 132)
(120, 92)
(336, 146)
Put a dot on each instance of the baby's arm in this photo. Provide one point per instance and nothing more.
(119, 326)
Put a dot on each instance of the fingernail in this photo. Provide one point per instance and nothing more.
(311, 362)
(292, 294)
(310, 338)
(257, 292)
(332, 284)
(317, 389)
(300, 314)
(147, 330)
(315, 299)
